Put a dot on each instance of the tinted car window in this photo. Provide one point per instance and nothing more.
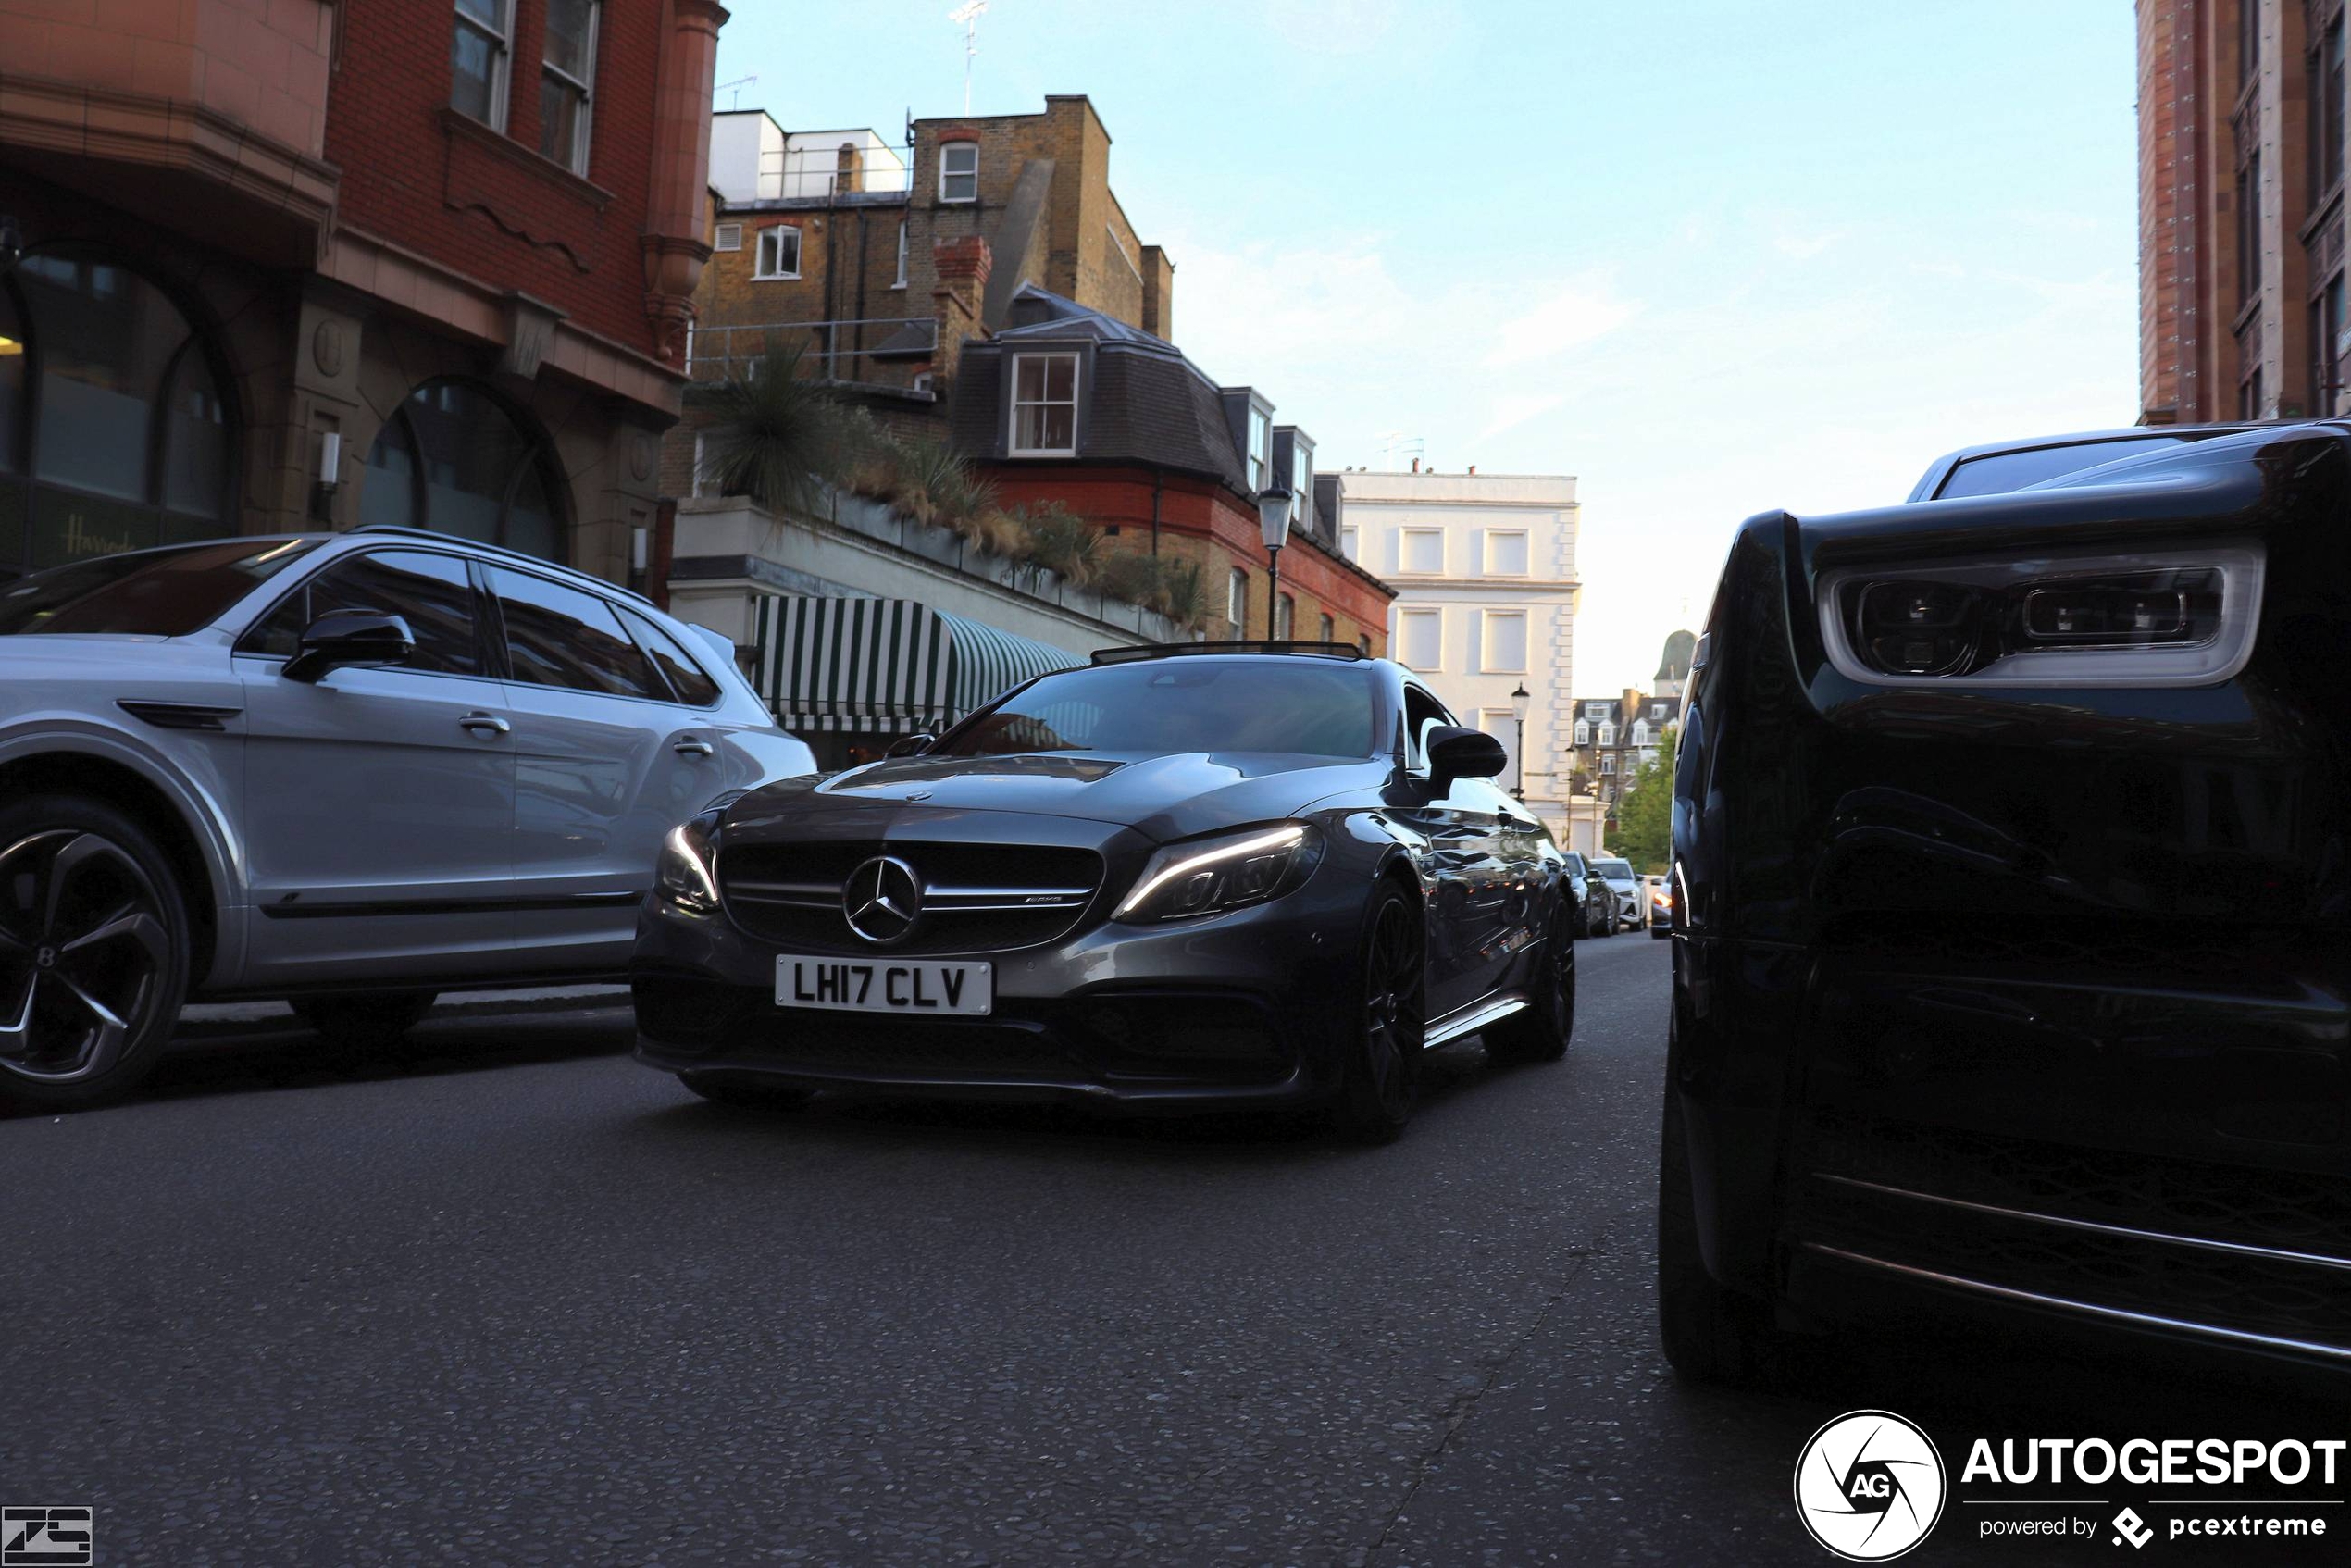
(1190, 705)
(431, 592)
(151, 594)
(558, 636)
(1997, 473)
(1422, 714)
(694, 687)
(1575, 864)
(1621, 870)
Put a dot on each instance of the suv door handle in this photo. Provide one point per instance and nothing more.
(489, 723)
(691, 748)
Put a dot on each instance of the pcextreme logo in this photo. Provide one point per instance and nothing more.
(1868, 1486)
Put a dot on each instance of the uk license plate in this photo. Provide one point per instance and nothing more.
(860, 985)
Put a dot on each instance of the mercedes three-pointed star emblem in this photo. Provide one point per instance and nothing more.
(882, 900)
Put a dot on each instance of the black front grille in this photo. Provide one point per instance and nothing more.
(1985, 1208)
(790, 894)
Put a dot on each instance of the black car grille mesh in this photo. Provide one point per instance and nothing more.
(790, 893)
(2282, 1211)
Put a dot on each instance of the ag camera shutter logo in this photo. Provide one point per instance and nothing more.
(1868, 1486)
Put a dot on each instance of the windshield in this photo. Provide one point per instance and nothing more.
(1249, 703)
(1999, 472)
(146, 593)
(1614, 870)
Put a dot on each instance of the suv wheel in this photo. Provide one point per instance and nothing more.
(1540, 1032)
(1711, 1334)
(94, 952)
(1383, 1070)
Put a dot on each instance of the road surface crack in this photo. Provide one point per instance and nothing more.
(1464, 1405)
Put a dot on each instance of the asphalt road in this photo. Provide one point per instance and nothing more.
(524, 1301)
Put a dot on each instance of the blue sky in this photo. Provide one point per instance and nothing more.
(1709, 258)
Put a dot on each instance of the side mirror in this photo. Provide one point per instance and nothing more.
(1455, 753)
(349, 636)
(911, 746)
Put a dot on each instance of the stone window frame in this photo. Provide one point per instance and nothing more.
(1403, 643)
(1404, 537)
(727, 237)
(1237, 603)
(1487, 620)
(1521, 534)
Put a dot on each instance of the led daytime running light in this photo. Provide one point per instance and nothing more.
(1287, 838)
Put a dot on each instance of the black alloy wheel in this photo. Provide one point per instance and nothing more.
(93, 954)
(1383, 1076)
(1542, 1030)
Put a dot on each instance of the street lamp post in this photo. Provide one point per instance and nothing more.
(1519, 699)
(1274, 504)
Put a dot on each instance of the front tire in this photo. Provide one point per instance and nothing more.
(1381, 1074)
(93, 954)
(1540, 1031)
(1711, 1334)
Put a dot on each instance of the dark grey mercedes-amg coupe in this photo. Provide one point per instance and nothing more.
(1204, 877)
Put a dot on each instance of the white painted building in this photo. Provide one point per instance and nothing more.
(1484, 566)
(754, 159)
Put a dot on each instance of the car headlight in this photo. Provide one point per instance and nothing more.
(2181, 618)
(686, 877)
(1229, 871)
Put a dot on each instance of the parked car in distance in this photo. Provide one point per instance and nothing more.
(1595, 905)
(1657, 892)
(1207, 876)
(2013, 973)
(348, 770)
(1632, 899)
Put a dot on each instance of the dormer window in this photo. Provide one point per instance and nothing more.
(1261, 449)
(1608, 735)
(1583, 733)
(959, 171)
(1640, 732)
(1044, 405)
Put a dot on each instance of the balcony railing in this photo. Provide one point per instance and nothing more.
(877, 353)
(820, 172)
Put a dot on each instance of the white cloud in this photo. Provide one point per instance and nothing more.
(1576, 313)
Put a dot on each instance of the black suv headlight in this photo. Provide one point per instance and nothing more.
(686, 877)
(1228, 871)
(2177, 617)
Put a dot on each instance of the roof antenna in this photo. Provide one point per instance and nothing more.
(737, 86)
(969, 13)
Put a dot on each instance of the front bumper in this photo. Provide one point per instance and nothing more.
(2143, 1138)
(1240, 1011)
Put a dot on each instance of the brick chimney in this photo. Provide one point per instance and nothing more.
(961, 265)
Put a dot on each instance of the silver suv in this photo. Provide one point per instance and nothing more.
(1632, 899)
(343, 769)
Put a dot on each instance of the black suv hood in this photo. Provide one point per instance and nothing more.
(1163, 797)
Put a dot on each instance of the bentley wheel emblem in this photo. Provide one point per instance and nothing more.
(882, 899)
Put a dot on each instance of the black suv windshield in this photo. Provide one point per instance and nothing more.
(147, 593)
(1242, 703)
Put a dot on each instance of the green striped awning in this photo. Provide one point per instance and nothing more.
(888, 665)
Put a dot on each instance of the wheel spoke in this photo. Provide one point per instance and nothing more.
(112, 1031)
(130, 923)
(81, 850)
(15, 1034)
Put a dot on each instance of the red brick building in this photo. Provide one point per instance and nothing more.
(2242, 139)
(455, 247)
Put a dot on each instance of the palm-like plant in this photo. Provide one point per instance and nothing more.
(1183, 594)
(932, 480)
(773, 435)
(1062, 542)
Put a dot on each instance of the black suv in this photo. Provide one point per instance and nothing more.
(1180, 878)
(2012, 907)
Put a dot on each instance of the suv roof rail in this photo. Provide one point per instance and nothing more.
(519, 557)
(1172, 650)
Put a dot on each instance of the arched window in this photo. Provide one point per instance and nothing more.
(453, 459)
(115, 433)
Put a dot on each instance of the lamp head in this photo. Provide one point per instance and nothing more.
(1274, 504)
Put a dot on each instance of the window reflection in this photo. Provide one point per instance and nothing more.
(452, 459)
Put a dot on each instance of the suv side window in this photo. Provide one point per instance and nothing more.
(558, 636)
(432, 593)
(694, 687)
(1422, 714)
